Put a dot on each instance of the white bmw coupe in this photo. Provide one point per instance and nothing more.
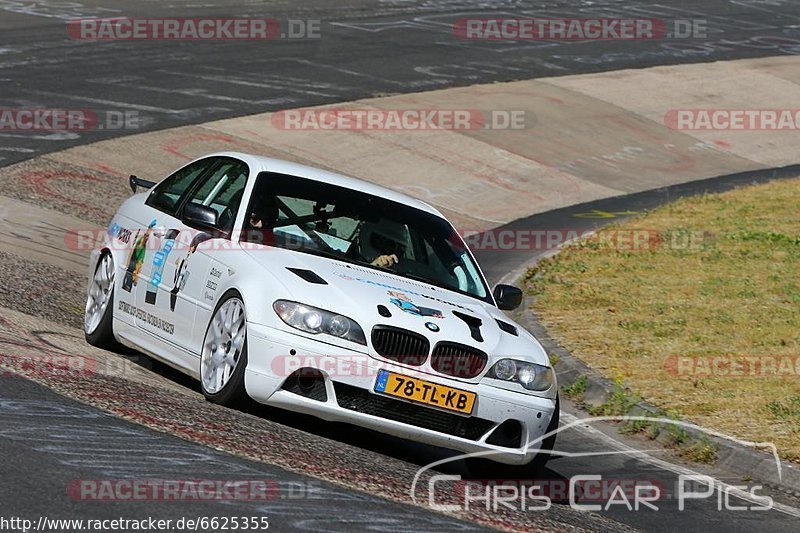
(326, 295)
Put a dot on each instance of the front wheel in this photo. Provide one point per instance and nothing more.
(97, 317)
(224, 356)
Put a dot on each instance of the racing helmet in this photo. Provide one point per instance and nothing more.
(383, 237)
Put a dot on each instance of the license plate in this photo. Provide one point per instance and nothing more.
(425, 392)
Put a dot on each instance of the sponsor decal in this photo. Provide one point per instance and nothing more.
(148, 318)
(404, 302)
(159, 262)
(398, 289)
(120, 233)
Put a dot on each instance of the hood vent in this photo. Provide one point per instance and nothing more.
(508, 328)
(474, 324)
(307, 275)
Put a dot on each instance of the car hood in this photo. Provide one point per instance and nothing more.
(438, 314)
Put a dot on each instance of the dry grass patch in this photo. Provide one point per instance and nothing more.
(723, 281)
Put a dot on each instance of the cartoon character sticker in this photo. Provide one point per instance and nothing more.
(403, 301)
(182, 272)
(137, 257)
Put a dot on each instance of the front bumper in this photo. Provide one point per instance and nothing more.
(348, 397)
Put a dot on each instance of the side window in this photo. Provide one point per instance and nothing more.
(222, 191)
(167, 194)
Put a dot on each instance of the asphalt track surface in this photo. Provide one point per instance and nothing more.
(366, 48)
(176, 83)
(55, 442)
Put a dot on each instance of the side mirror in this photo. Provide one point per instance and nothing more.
(200, 216)
(508, 297)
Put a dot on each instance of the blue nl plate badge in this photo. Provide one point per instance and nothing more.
(383, 378)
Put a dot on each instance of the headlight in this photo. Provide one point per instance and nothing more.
(529, 375)
(313, 320)
(505, 369)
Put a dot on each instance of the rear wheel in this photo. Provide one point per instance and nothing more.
(224, 356)
(484, 468)
(97, 318)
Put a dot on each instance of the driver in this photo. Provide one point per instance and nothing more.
(261, 221)
(382, 243)
(264, 214)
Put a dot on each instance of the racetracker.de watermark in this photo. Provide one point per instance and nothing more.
(736, 366)
(188, 490)
(610, 240)
(400, 119)
(39, 119)
(46, 365)
(354, 365)
(733, 119)
(63, 366)
(578, 29)
(192, 29)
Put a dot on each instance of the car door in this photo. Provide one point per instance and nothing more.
(180, 288)
(156, 244)
(141, 232)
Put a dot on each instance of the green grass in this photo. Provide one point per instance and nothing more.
(724, 280)
(577, 389)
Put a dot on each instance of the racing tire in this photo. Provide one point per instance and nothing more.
(98, 327)
(223, 359)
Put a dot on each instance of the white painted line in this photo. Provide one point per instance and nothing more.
(114, 103)
(200, 93)
(55, 136)
(275, 85)
(350, 72)
(670, 467)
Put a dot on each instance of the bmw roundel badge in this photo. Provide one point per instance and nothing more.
(431, 326)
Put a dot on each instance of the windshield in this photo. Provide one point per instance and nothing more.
(345, 224)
